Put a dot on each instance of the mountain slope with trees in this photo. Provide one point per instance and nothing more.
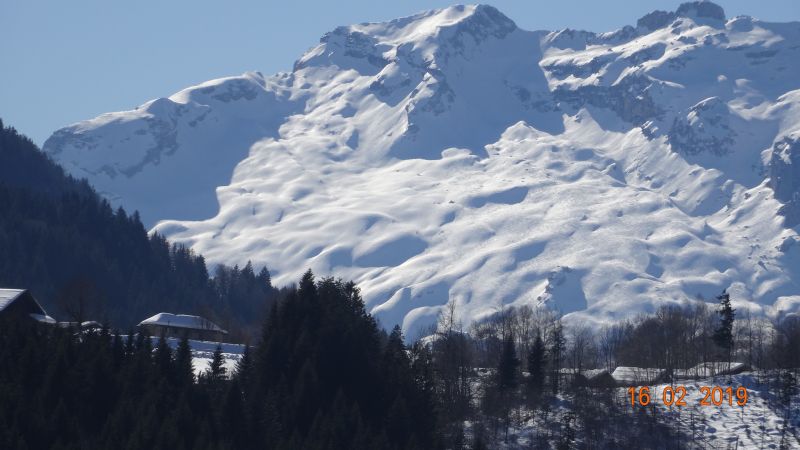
(84, 260)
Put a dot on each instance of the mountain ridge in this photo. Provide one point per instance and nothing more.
(432, 156)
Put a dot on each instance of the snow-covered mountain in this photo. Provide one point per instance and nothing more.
(451, 155)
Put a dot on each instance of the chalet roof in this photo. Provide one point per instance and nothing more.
(593, 374)
(43, 318)
(7, 296)
(637, 375)
(590, 374)
(710, 369)
(182, 321)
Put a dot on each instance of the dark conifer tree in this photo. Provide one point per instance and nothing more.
(244, 366)
(184, 369)
(508, 365)
(264, 278)
(307, 289)
(723, 335)
(557, 343)
(163, 356)
(537, 362)
(216, 370)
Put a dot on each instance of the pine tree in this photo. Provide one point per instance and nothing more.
(788, 389)
(395, 357)
(307, 289)
(233, 418)
(184, 370)
(557, 343)
(163, 356)
(723, 335)
(508, 365)
(216, 370)
(244, 366)
(537, 361)
(265, 278)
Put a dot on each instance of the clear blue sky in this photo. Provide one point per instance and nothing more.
(68, 60)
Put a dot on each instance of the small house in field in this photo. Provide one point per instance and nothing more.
(17, 304)
(182, 325)
(638, 376)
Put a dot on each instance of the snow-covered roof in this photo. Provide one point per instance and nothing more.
(589, 374)
(635, 375)
(182, 321)
(43, 318)
(7, 296)
(593, 374)
(710, 369)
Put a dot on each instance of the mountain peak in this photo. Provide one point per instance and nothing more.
(698, 9)
(701, 9)
(477, 19)
(454, 27)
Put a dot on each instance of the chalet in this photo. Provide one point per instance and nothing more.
(599, 378)
(638, 376)
(182, 325)
(18, 304)
(89, 325)
(596, 378)
(711, 369)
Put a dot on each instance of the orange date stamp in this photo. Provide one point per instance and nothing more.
(676, 396)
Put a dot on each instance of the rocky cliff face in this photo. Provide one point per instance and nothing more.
(784, 176)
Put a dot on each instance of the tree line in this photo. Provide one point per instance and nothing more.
(323, 376)
(520, 364)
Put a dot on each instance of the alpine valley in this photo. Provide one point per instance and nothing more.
(452, 156)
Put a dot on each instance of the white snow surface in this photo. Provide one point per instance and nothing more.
(453, 156)
(757, 424)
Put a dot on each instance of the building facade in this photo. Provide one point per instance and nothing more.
(183, 325)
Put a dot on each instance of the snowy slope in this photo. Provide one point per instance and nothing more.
(758, 424)
(452, 155)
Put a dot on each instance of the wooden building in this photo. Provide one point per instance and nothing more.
(182, 325)
(17, 304)
(599, 378)
(711, 369)
(639, 376)
(595, 378)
